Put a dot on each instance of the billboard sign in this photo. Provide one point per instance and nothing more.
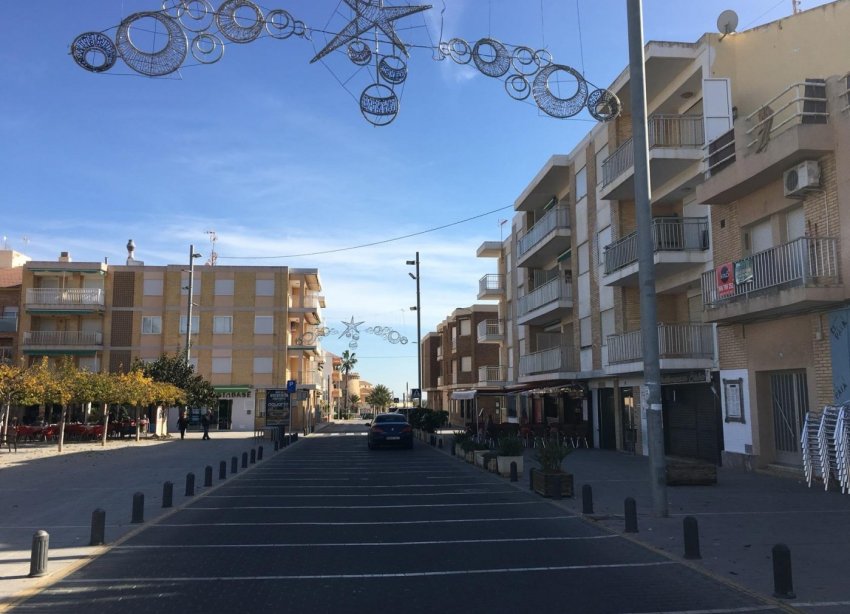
(277, 407)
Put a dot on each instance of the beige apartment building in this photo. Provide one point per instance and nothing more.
(748, 153)
(252, 329)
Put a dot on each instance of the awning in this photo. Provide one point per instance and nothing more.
(464, 395)
(233, 388)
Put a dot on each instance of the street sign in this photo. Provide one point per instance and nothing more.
(415, 393)
(291, 385)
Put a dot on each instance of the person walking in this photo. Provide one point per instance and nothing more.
(182, 423)
(205, 422)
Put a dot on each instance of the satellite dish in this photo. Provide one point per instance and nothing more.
(727, 22)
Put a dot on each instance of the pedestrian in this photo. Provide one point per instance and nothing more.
(182, 423)
(205, 422)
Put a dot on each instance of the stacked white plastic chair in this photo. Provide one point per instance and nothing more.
(842, 447)
(826, 441)
(810, 446)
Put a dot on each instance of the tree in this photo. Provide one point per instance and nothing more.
(380, 397)
(175, 370)
(347, 364)
(16, 387)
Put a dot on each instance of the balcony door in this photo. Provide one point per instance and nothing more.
(790, 402)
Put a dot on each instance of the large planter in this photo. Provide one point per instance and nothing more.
(504, 464)
(459, 451)
(479, 457)
(545, 483)
(469, 456)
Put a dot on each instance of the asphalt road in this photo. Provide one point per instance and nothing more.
(328, 526)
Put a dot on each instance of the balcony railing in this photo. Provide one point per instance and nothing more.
(491, 283)
(674, 341)
(557, 217)
(62, 337)
(6, 355)
(807, 261)
(668, 234)
(799, 103)
(9, 323)
(674, 131)
(555, 359)
(65, 297)
(552, 291)
(489, 330)
(492, 375)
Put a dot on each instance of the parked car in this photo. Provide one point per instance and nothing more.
(390, 430)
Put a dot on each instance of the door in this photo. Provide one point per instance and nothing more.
(790, 402)
(225, 414)
(629, 417)
(692, 422)
(607, 426)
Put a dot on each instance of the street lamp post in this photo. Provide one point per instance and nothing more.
(418, 310)
(191, 289)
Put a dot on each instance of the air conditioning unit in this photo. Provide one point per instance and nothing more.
(802, 179)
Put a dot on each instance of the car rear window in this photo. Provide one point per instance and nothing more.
(390, 418)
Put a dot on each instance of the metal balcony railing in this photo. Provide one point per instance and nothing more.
(668, 234)
(552, 291)
(557, 217)
(9, 323)
(489, 329)
(62, 337)
(674, 131)
(799, 103)
(6, 355)
(65, 297)
(674, 341)
(493, 374)
(491, 283)
(807, 261)
(556, 359)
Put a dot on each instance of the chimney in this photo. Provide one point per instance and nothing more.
(131, 249)
(64, 257)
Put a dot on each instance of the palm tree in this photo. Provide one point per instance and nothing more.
(347, 364)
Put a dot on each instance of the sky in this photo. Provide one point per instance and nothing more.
(272, 153)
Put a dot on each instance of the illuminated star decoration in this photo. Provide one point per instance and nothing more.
(370, 14)
(351, 328)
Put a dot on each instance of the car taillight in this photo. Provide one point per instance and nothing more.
(407, 429)
(377, 429)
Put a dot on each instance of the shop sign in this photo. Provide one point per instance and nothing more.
(724, 277)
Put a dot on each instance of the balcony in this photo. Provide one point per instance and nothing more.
(311, 307)
(552, 363)
(680, 346)
(546, 240)
(308, 341)
(6, 356)
(490, 331)
(790, 128)
(675, 143)
(551, 301)
(494, 375)
(64, 300)
(58, 341)
(491, 287)
(9, 323)
(679, 244)
(489, 249)
(791, 278)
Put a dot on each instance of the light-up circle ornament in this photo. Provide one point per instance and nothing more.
(379, 104)
(359, 53)
(525, 61)
(157, 63)
(459, 51)
(207, 49)
(553, 105)
(94, 51)
(393, 69)
(280, 24)
(543, 58)
(517, 87)
(491, 57)
(230, 22)
(196, 15)
(603, 105)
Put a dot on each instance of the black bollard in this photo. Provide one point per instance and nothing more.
(514, 472)
(557, 493)
(440, 443)
(783, 587)
(207, 476)
(587, 499)
(433, 440)
(233, 463)
(260, 453)
(244, 460)
(531, 479)
(98, 527)
(38, 557)
(138, 508)
(222, 470)
(167, 494)
(452, 450)
(253, 457)
(691, 529)
(276, 445)
(190, 484)
(631, 515)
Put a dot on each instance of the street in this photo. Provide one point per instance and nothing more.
(328, 526)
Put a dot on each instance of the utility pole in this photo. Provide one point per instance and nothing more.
(651, 389)
(418, 310)
(191, 289)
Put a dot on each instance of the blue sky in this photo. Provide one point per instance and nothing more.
(271, 152)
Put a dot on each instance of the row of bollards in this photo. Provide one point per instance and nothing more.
(41, 538)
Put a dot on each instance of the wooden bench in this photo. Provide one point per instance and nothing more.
(690, 472)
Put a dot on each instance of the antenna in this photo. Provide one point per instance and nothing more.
(213, 255)
(795, 6)
(727, 22)
(26, 241)
(501, 229)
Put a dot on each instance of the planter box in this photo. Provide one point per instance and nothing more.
(544, 483)
(479, 457)
(504, 464)
(470, 457)
(459, 451)
(690, 472)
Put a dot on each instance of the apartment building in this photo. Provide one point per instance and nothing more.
(11, 273)
(748, 143)
(252, 329)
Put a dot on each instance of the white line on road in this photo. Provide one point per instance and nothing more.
(371, 486)
(354, 507)
(747, 608)
(361, 523)
(374, 495)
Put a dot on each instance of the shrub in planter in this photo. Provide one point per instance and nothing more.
(509, 451)
(545, 480)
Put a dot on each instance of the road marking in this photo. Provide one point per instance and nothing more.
(366, 576)
(358, 524)
(469, 483)
(389, 494)
(521, 540)
(354, 507)
(747, 608)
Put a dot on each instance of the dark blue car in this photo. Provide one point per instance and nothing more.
(390, 430)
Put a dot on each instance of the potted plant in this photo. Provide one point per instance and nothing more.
(478, 451)
(468, 447)
(458, 438)
(544, 481)
(509, 451)
(489, 460)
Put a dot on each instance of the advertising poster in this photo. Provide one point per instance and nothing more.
(277, 407)
(724, 275)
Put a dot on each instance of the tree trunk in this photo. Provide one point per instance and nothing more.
(138, 424)
(5, 423)
(62, 426)
(105, 423)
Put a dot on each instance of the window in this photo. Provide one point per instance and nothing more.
(184, 284)
(581, 183)
(222, 325)
(224, 287)
(152, 325)
(466, 364)
(608, 327)
(196, 321)
(465, 327)
(265, 287)
(221, 364)
(152, 287)
(263, 325)
(262, 364)
(601, 155)
(586, 333)
(603, 240)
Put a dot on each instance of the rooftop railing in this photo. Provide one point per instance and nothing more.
(799, 103)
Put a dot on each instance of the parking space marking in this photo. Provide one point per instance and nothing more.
(356, 507)
(373, 495)
(363, 523)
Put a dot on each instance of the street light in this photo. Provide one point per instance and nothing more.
(190, 288)
(418, 311)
